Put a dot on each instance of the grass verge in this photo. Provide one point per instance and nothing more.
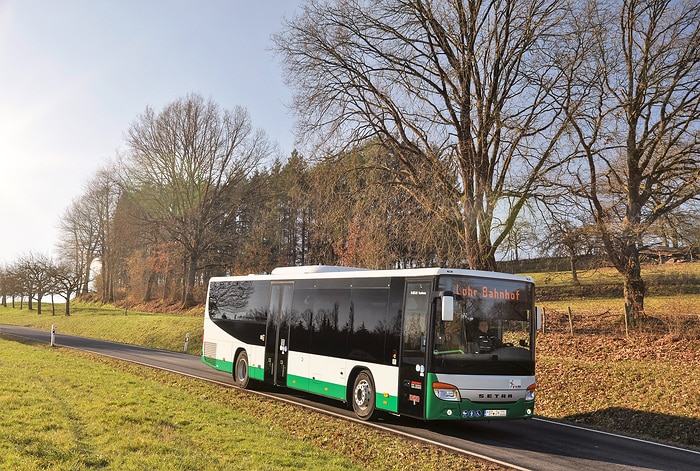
(64, 409)
(164, 331)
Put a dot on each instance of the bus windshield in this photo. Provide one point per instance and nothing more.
(491, 332)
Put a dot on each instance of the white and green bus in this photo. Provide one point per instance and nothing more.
(429, 343)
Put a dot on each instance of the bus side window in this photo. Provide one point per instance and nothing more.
(416, 319)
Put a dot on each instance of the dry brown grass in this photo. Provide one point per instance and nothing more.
(677, 315)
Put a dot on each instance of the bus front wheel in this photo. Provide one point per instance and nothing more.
(240, 370)
(363, 396)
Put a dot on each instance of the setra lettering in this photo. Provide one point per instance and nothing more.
(495, 396)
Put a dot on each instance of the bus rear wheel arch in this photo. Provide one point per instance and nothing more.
(241, 377)
(363, 396)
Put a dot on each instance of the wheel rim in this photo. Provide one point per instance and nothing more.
(241, 370)
(362, 395)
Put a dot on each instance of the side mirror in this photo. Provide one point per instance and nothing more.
(538, 315)
(448, 308)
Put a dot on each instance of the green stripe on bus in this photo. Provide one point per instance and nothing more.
(387, 402)
(256, 373)
(221, 365)
(324, 388)
(384, 401)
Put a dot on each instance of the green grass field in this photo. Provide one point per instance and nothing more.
(67, 410)
(63, 410)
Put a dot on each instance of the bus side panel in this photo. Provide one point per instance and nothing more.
(219, 350)
(256, 358)
(298, 371)
(217, 347)
(330, 377)
(234, 320)
(386, 382)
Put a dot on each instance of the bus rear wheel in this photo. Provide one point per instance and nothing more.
(240, 370)
(363, 396)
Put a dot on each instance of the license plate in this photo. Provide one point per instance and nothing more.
(495, 413)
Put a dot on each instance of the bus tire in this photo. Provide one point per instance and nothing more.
(363, 396)
(240, 370)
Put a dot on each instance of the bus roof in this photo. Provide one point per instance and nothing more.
(330, 271)
(302, 270)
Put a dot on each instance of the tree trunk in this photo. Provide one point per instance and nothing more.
(634, 299)
(86, 281)
(574, 271)
(477, 246)
(634, 288)
(149, 287)
(166, 280)
(110, 293)
(105, 278)
(188, 293)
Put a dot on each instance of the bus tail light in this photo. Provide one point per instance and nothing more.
(446, 392)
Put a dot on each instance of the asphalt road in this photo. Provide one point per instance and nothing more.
(536, 444)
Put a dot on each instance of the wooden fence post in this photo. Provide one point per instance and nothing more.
(571, 322)
(544, 316)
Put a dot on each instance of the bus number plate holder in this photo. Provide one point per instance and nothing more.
(495, 413)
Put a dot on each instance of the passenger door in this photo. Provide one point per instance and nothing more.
(412, 386)
(277, 333)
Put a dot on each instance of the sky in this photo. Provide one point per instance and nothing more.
(75, 74)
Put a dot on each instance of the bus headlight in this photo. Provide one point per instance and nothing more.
(446, 392)
(530, 393)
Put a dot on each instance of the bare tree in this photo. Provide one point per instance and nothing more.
(67, 278)
(5, 284)
(632, 94)
(693, 236)
(36, 270)
(675, 229)
(180, 163)
(99, 201)
(79, 238)
(455, 90)
(12, 284)
(359, 216)
(522, 238)
(85, 226)
(130, 242)
(568, 231)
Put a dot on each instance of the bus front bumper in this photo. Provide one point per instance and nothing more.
(468, 410)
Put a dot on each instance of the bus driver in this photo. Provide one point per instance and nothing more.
(486, 340)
